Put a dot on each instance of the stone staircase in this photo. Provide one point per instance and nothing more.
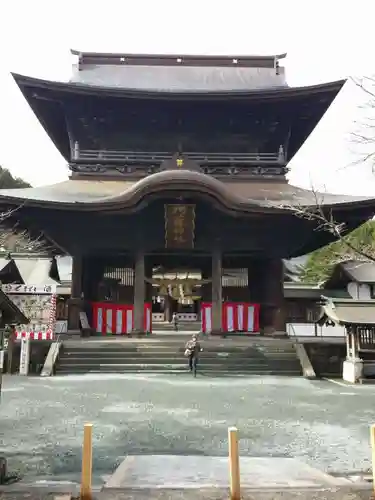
(249, 356)
(183, 326)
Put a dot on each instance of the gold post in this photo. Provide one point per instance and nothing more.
(234, 464)
(372, 440)
(86, 463)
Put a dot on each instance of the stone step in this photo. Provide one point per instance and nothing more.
(162, 325)
(157, 367)
(175, 352)
(166, 361)
(174, 366)
(169, 371)
(219, 356)
(240, 339)
(202, 361)
(127, 348)
(171, 363)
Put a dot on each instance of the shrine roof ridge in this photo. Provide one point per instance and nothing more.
(150, 59)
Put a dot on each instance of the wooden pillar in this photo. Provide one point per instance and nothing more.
(255, 280)
(266, 287)
(256, 285)
(167, 308)
(149, 289)
(76, 302)
(348, 347)
(353, 342)
(273, 304)
(139, 291)
(206, 288)
(10, 349)
(93, 271)
(217, 293)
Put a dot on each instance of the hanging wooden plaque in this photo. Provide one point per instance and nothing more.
(179, 226)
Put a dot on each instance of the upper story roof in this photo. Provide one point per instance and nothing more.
(179, 73)
(356, 271)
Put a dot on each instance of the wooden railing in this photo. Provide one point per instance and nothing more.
(314, 330)
(152, 158)
(366, 339)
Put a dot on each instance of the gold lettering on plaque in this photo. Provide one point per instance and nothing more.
(180, 222)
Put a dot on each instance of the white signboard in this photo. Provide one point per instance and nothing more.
(38, 303)
(34, 289)
(24, 357)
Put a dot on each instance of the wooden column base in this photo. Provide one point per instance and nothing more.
(139, 292)
(272, 319)
(75, 306)
(217, 293)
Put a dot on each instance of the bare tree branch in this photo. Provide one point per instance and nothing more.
(325, 222)
(365, 135)
(15, 239)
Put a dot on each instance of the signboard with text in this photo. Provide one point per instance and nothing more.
(39, 289)
(38, 303)
(179, 226)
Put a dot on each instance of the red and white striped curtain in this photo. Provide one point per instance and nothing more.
(118, 319)
(236, 317)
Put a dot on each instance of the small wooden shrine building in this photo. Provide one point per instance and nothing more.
(358, 318)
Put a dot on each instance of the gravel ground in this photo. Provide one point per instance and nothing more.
(41, 420)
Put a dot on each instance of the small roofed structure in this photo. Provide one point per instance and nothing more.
(351, 271)
(29, 269)
(358, 318)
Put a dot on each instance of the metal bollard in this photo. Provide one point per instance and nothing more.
(86, 480)
(372, 441)
(234, 464)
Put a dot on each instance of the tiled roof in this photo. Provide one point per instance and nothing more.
(173, 73)
(348, 311)
(266, 194)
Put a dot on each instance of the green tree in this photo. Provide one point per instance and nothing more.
(12, 240)
(7, 181)
(358, 245)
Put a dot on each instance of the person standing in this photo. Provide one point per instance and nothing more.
(192, 351)
(175, 321)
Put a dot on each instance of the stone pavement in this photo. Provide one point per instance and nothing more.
(223, 494)
(321, 424)
(176, 471)
(202, 494)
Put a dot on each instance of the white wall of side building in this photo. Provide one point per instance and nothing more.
(359, 291)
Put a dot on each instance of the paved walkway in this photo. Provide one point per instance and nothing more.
(200, 494)
(41, 420)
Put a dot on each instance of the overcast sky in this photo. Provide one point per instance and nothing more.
(325, 40)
